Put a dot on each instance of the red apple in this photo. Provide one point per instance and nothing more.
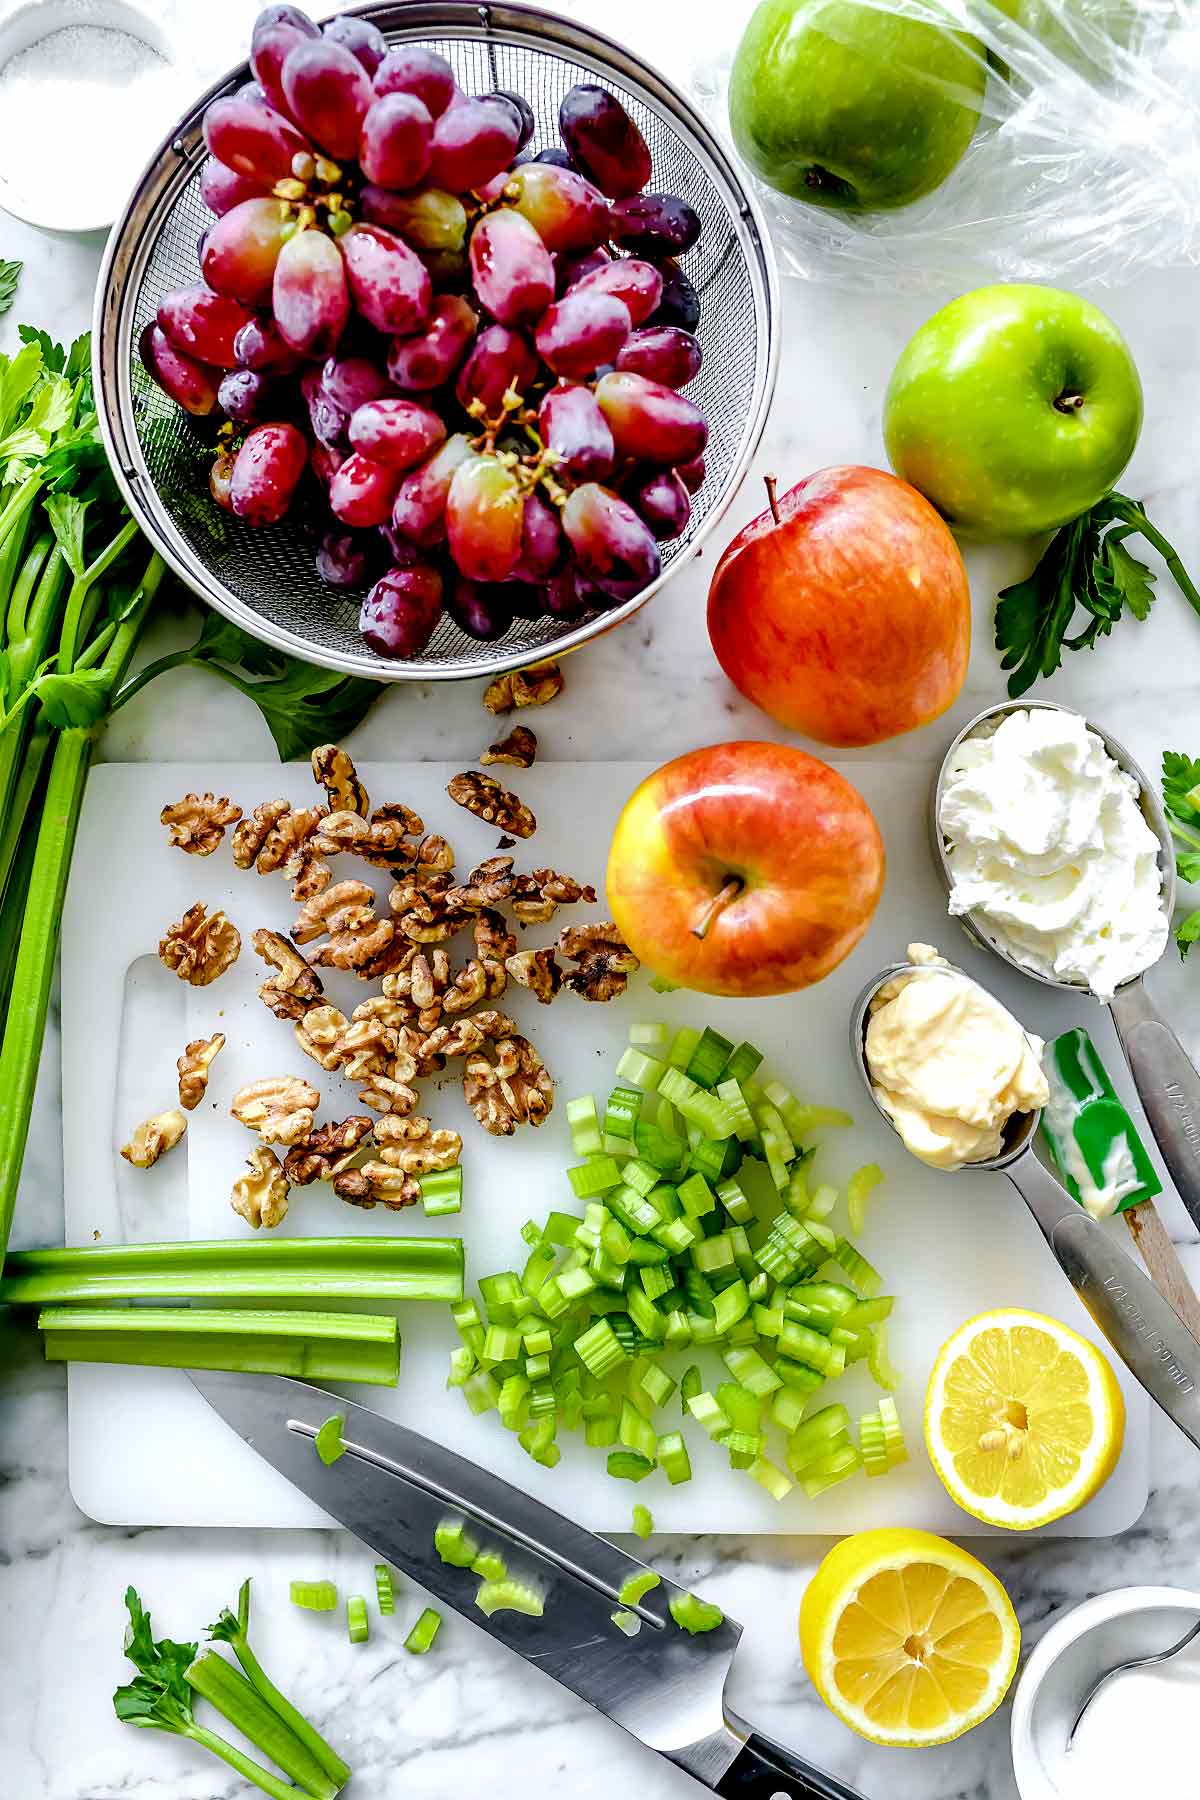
(843, 610)
(744, 869)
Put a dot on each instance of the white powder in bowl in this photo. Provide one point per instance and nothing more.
(80, 112)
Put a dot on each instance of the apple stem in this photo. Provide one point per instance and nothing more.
(1070, 400)
(717, 905)
(770, 482)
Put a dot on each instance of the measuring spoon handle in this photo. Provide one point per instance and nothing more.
(1144, 1331)
(1168, 1086)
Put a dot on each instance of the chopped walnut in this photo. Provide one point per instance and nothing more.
(153, 1137)
(280, 1108)
(383, 839)
(469, 1034)
(524, 687)
(519, 749)
(200, 948)
(423, 911)
(413, 1145)
(334, 769)
(261, 1197)
(193, 1067)
(605, 960)
(537, 970)
(536, 897)
(294, 989)
(197, 822)
(326, 1151)
(375, 1184)
(428, 987)
(515, 1089)
(277, 835)
(388, 1094)
(493, 940)
(346, 911)
(488, 800)
(488, 885)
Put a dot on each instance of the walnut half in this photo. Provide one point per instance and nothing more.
(334, 769)
(153, 1137)
(605, 961)
(193, 1067)
(488, 800)
(413, 1145)
(519, 749)
(261, 1197)
(197, 822)
(515, 1089)
(294, 989)
(200, 948)
(377, 1184)
(524, 687)
(326, 1151)
(280, 1108)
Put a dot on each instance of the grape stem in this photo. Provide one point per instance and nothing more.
(716, 906)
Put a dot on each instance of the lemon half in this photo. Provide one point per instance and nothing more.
(1024, 1420)
(908, 1638)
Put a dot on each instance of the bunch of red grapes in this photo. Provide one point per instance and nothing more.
(469, 355)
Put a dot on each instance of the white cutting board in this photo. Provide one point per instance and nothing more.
(146, 1449)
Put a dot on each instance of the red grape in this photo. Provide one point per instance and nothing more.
(613, 547)
(277, 31)
(246, 397)
(604, 141)
(396, 433)
(362, 491)
(203, 324)
(567, 212)
(429, 220)
(360, 37)
(330, 423)
(691, 474)
(344, 558)
(243, 248)
(511, 268)
(573, 426)
(680, 303)
(350, 381)
(663, 353)
(659, 497)
(188, 382)
(220, 480)
(221, 189)
(483, 519)
(654, 225)
(429, 359)
(471, 143)
(563, 597)
(526, 598)
(419, 512)
(401, 612)
(570, 269)
(328, 92)
(449, 270)
(389, 282)
(258, 345)
(482, 609)
(541, 542)
(265, 473)
(556, 158)
(582, 331)
(324, 461)
(410, 69)
(522, 112)
(252, 140)
(309, 295)
(396, 142)
(651, 421)
(638, 284)
(501, 359)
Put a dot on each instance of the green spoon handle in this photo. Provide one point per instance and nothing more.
(1168, 1086)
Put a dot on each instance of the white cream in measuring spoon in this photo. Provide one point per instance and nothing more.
(1139, 1734)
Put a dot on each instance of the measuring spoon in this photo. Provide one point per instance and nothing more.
(1146, 1333)
(1166, 1080)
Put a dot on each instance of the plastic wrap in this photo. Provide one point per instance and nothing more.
(1084, 168)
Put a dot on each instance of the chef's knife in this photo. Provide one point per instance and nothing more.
(393, 1489)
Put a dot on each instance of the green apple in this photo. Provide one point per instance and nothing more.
(1013, 410)
(842, 104)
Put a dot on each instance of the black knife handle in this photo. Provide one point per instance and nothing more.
(764, 1770)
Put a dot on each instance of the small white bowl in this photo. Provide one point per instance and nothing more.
(1070, 1659)
(29, 24)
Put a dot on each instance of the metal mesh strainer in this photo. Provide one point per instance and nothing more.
(264, 579)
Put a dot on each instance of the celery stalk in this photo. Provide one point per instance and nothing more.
(226, 1688)
(231, 1629)
(308, 1345)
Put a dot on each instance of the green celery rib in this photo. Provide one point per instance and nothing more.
(231, 1630)
(358, 1268)
(308, 1345)
(226, 1688)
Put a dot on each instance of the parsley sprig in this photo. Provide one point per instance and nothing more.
(1181, 799)
(1087, 568)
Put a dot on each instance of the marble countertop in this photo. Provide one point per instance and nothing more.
(428, 1728)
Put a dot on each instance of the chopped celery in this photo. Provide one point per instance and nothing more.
(627, 1465)
(857, 1267)
(489, 1565)
(821, 1202)
(771, 1125)
(643, 1522)
(682, 1046)
(481, 1391)
(595, 1177)
(656, 1384)
(742, 1408)
(357, 1624)
(673, 1458)
(734, 1200)
(314, 1596)
(707, 1413)
(634, 1588)
(441, 1192)
(640, 1070)
(641, 1175)
(637, 1433)
(742, 1064)
(799, 1118)
(771, 1477)
(857, 1189)
(713, 1253)
(872, 1446)
(696, 1197)
(628, 1622)
(787, 1407)
(421, 1638)
(454, 1544)
(715, 1158)
(585, 1126)
(652, 1036)
(694, 1615)
(385, 1589)
(499, 1294)
(462, 1361)
(690, 1384)
(744, 1126)
(810, 1440)
(599, 1349)
(501, 1343)
(560, 1230)
(660, 1148)
(798, 1375)
(730, 1305)
(328, 1441)
(709, 1058)
(893, 1435)
(834, 1469)
(747, 1367)
(655, 1280)
(880, 1363)
(621, 1113)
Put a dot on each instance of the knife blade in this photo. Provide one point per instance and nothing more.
(393, 1488)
